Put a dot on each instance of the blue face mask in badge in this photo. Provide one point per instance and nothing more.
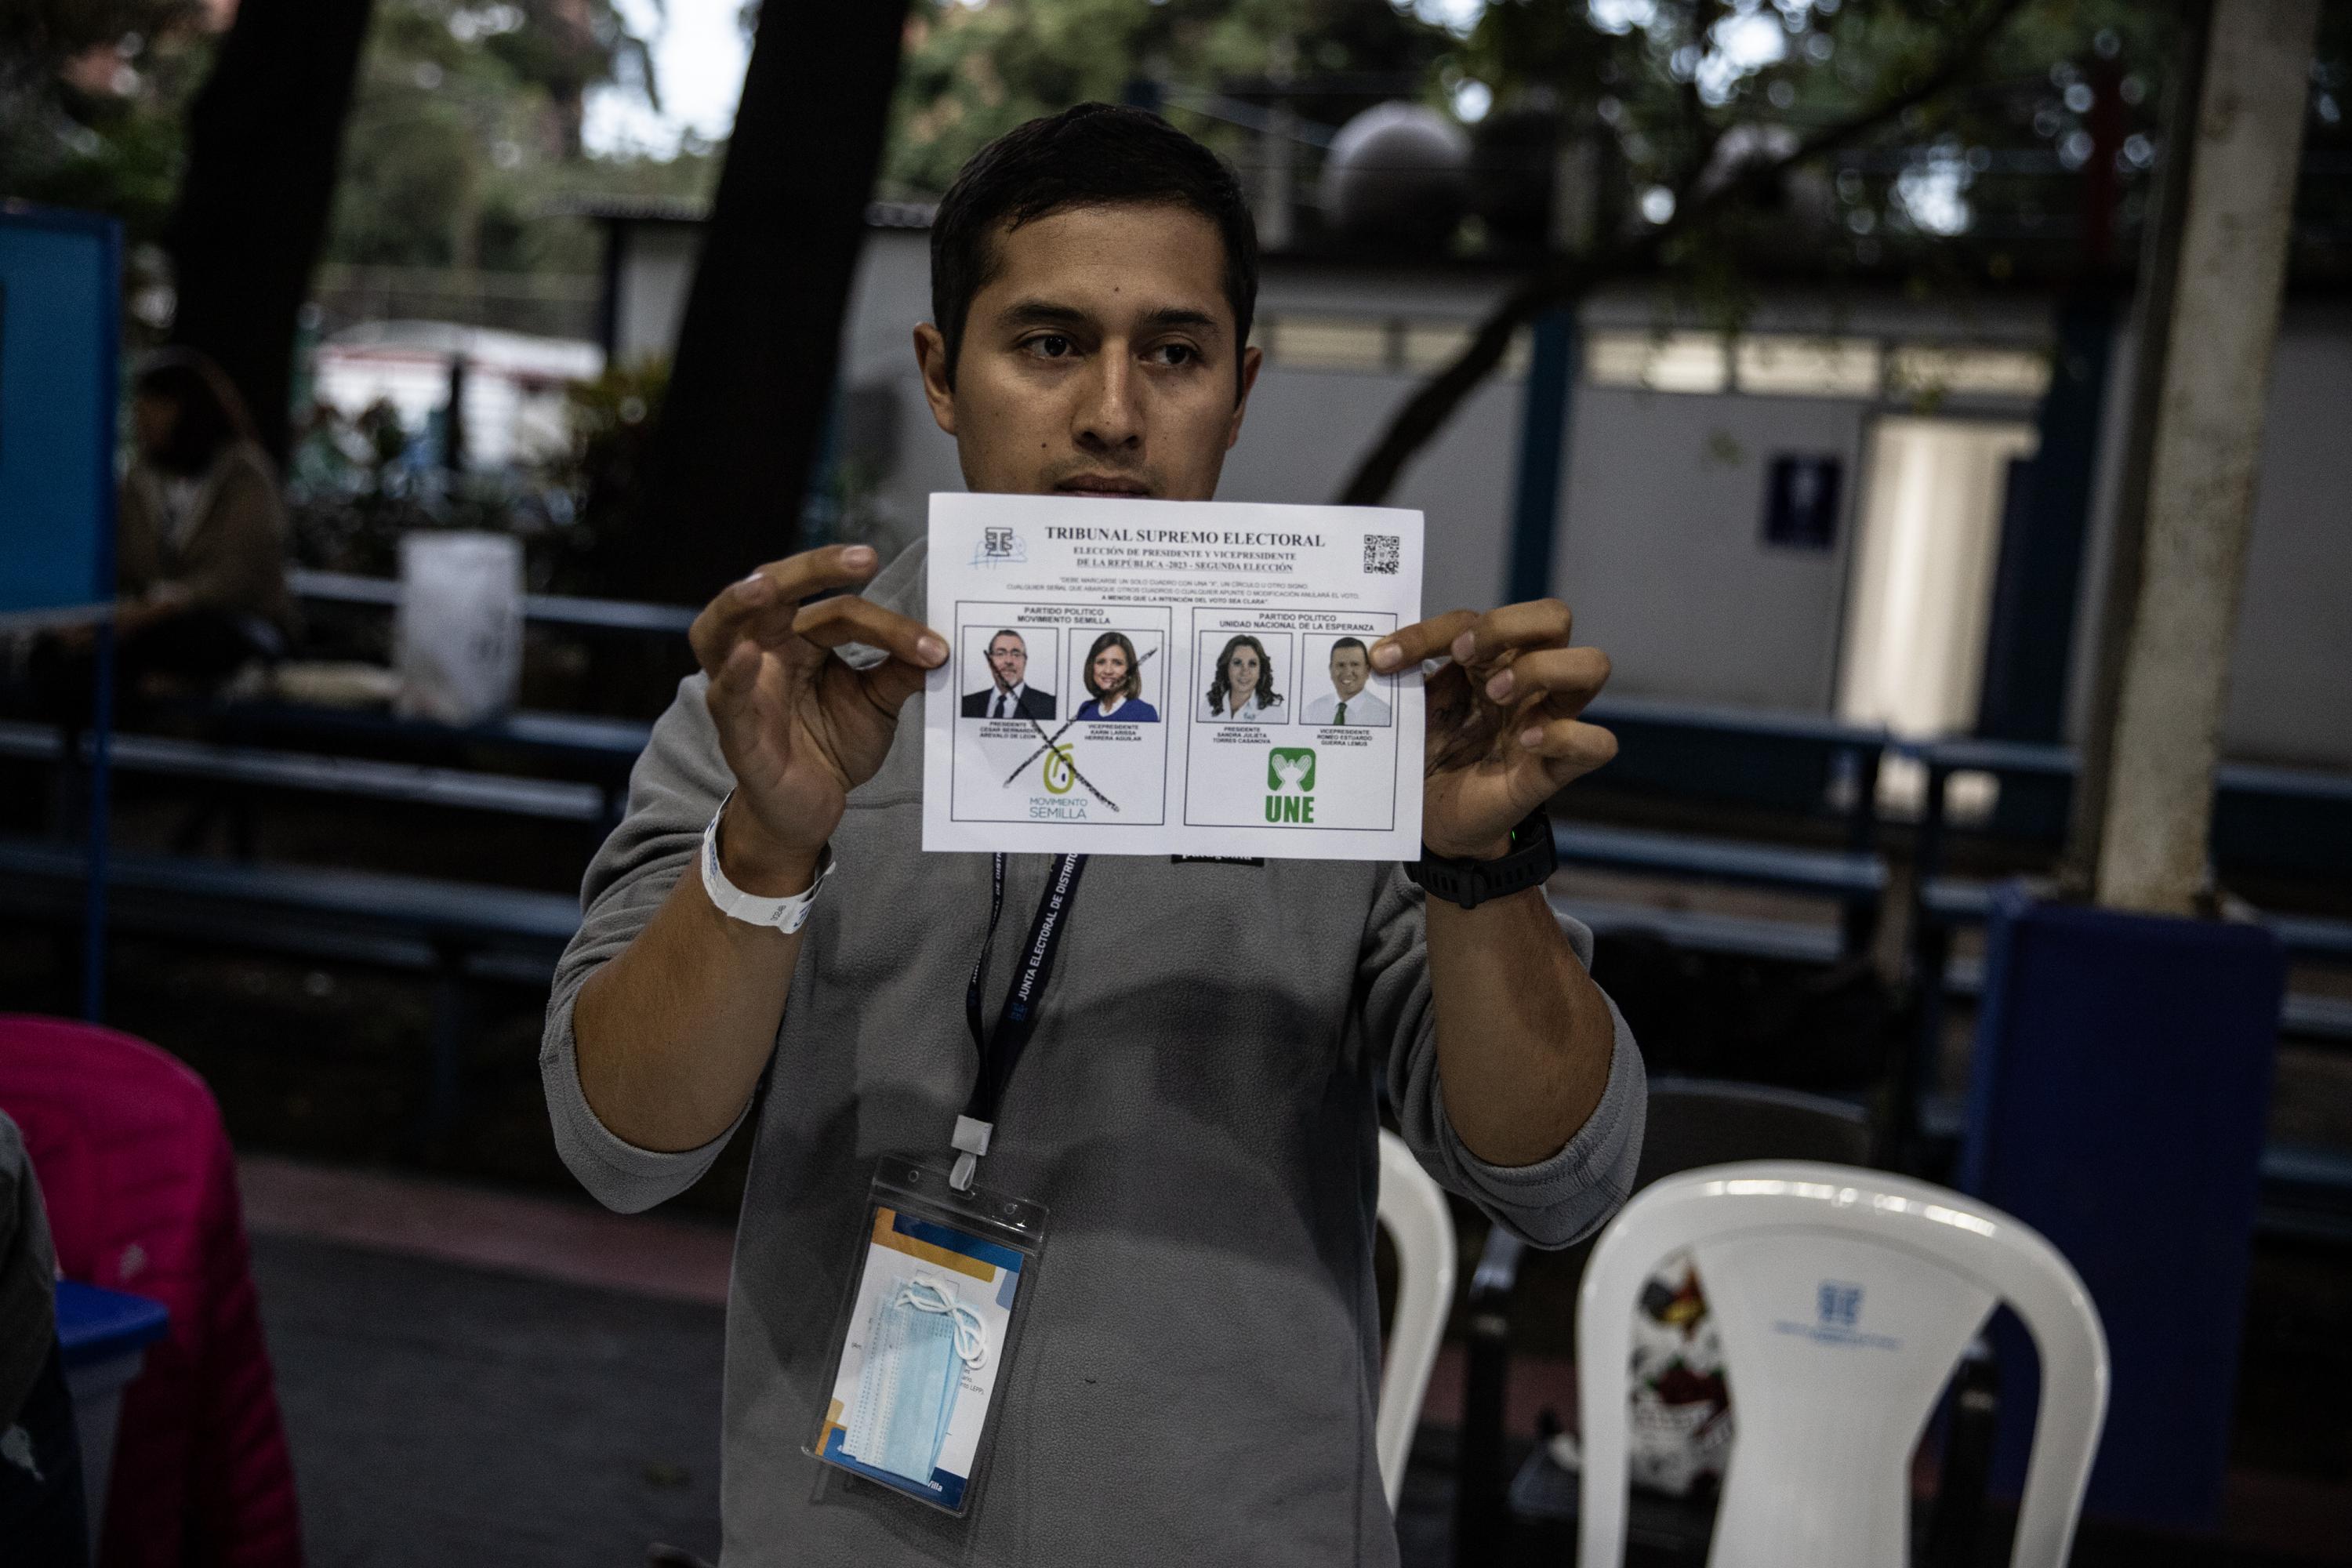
(920, 1340)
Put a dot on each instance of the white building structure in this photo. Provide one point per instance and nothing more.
(514, 404)
(1673, 433)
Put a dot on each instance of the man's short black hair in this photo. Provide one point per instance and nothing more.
(1092, 155)
(1356, 643)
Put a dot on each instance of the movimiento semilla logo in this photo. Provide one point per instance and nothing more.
(1061, 770)
(1290, 784)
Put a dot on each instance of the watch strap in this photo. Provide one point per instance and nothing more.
(786, 915)
(1528, 863)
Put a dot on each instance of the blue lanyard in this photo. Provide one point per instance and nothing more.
(1016, 1021)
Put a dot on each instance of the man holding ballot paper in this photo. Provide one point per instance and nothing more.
(1118, 1305)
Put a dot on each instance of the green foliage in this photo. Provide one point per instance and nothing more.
(612, 422)
(92, 96)
(1679, 101)
(466, 129)
(971, 73)
(355, 485)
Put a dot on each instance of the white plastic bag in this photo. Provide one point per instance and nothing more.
(459, 634)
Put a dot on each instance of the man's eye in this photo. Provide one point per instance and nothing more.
(1053, 345)
(1176, 353)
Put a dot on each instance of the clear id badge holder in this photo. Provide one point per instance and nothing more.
(930, 1323)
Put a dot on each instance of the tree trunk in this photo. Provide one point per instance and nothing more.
(753, 380)
(264, 140)
(2151, 317)
(2224, 321)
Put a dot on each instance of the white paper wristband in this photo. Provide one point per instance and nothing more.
(786, 915)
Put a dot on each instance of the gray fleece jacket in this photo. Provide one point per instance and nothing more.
(1198, 1377)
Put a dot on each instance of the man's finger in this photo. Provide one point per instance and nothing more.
(1572, 740)
(891, 682)
(762, 604)
(833, 621)
(1536, 622)
(732, 687)
(1576, 674)
(1423, 639)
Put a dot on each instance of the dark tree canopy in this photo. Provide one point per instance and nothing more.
(263, 137)
(752, 383)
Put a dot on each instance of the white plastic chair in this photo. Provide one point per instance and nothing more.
(1412, 1209)
(1844, 1296)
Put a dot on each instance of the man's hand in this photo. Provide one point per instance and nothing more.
(799, 728)
(1504, 735)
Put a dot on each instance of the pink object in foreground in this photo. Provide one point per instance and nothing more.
(140, 1186)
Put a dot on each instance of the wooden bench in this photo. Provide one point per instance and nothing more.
(362, 752)
(2306, 1189)
(552, 609)
(1702, 930)
(245, 768)
(2264, 819)
(458, 932)
(1798, 764)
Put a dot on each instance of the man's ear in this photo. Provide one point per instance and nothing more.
(938, 383)
(1251, 358)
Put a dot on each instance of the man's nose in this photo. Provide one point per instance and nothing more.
(1108, 418)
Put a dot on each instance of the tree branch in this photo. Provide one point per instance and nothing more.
(1568, 279)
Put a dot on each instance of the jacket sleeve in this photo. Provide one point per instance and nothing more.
(138, 535)
(675, 785)
(28, 1269)
(236, 558)
(1553, 1203)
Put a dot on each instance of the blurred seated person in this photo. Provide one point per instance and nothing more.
(200, 545)
(42, 1518)
(1115, 675)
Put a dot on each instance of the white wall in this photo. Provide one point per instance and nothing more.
(1307, 429)
(2291, 677)
(2290, 696)
(1660, 550)
(1659, 546)
(656, 271)
(1303, 435)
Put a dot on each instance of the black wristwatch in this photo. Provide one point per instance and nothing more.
(1528, 863)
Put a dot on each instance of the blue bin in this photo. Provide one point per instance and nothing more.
(102, 1338)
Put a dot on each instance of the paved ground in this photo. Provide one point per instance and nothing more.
(441, 1414)
(479, 1376)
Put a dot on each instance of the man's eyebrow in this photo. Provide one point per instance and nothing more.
(1047, 313)
(1182, 316)
(1042, 314)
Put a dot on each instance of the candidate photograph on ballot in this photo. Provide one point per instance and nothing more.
(1339, 673)
(998, 665)
(1117, 672)
(1245, 678)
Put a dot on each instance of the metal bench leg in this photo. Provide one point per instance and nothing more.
(453, 1027)
(1932, 952)
(1858, 926)
(1481, 1486)
(1957, 1520)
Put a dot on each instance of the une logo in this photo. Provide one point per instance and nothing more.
(1290, 784)
(1061, 770)
(1840, 1304)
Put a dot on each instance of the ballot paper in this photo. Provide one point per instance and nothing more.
(1172, 677)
